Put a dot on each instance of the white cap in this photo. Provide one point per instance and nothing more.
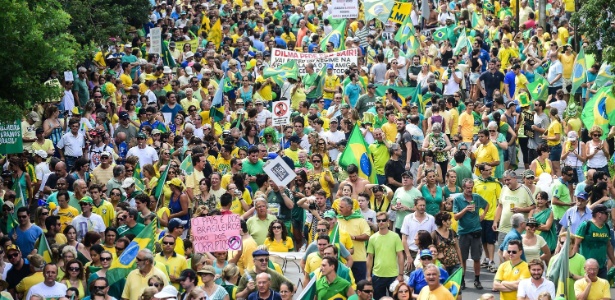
(41, 153)
(128, 182)
(189, 71)
(168, 291)
(189, 54)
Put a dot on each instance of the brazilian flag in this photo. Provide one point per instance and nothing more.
(121, 266)
(477, 22)
(453, 283)
(405, 31)
(336, 36)
(378, 9)
(539, 89)
(217, 104)
(600, 110)
(357, 153)
(604, 77)
(44, 249)
(440, 34)
(157, 192)
(187, 166)
(279, 75)
(462, 42)
(579, 72)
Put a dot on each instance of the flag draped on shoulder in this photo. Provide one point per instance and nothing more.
(336, 37)
(167, 57)
(217, 104)
(357, 153)
(121, 266)
(378, 9)
(539, 89)
(280, 74)
(579, 71)
(600, 110)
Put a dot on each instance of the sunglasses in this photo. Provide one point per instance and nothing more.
(168, 243)
(367, 291)
(381, 220)
(106, 258)
(321, 230)
(156, 284)
(262, 260)
(512, 251)
(138, 259)
(276, 227)
(119, 249)
(116, 194)
(73, 269)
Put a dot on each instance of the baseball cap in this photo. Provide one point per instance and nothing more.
(105, 153)
(425, 252)
(573, 136)
(176, 182)
(345, 105)
(12, 247)
(187, 273)
(128, 182)
(371, 86)
(511, 104)
(528, 174)
(9, 204)
(176, 222)
(34, 116)
(86, 199)
(329, 214)
(168, 291)
(141, 135)
(123, 115)
(583, 195)
(329, 66)
(41, 153)
(407, 174)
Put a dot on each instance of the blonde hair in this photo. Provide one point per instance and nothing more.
(148, 293)
(195, 292)
(230, 271)
(544, 296)
(486, 296)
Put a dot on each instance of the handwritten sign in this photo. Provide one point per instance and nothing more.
(11, 140)
(216, 233)
(400, 11)
(341, 60)
(155, 40)
(344, 9)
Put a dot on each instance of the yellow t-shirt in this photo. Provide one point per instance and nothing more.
(174, 264)
(454, 121)
(567, 64)
(236, 207)
(520, 83)
(390, 131)
(505, 54)
(466, 121)
(266, 91)
(312, 262)
(356, 227)
(563, 35)
(331, 82)
(554, 128)
(599, 290)
(486, 153)
(508, 272)
(67, 215)
(281, 246)
(25, 284)
(136, 283)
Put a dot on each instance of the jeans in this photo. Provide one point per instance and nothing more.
(359, 268)
(381, 286)
(382, 179)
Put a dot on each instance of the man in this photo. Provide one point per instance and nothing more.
(261, 262)
(334, 136)
(49, 289)
(176, 228)
(100, 289)
(171, 106)
(281, 196)
(403, 199)
(248, 246)
(382, 248)
(174, 262)
(53, 180)
(518, 226)
(357, 183)
(87, 220)
(486, 152)
(253, 166)
(592, 240)
(404, 139)
(81, 92)
(490, 81)
(576, 214)
(137, 280)
(125, 126)
(592, 287)
(192, 181)
(142, 202)
(539, 127)
(130, 189)
(554, 74)
(53, 234)
(96, 150)
(26, 234)
(380, 154)
(342, 270)
(188, 281)
(530, 288)
(37, 263)
(418, 220)
(390, 127)
(332, 85)
(466, 208)
(417, 279)
(365, 291)
(146, 154)
(258, 225)
(72, 144)
(576, 264)
(314, 259)
(129, 216)
(264, 291)
(414, 70)
(359, 231)
(434, 289)
(514, 198)
(562, 200)
(104, 171)
(325, 227)
(330, 285)
(510, 273)
(100, 206)
(262, 112)
(452, 79)
(394, 168)
(19, 270)
(41, 166)
(466, 124)
(490, 189)
(367, 100)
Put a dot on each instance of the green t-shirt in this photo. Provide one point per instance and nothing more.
(560, 190)
(470, 222)
(253, 170)
(284, 213)
(406, 198)
(309, 80)
(462, 172)
(384, 248)
(333, 290)
(124, 230)
(595, 241)
(380, 153)
(575, 266)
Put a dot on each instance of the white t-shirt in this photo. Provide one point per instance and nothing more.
(42, 169)
(262, 116)
(146, 155)
(83, 225)
(411, 226)
(334, 137)
(555, 69)
(73, 145)
(529, 290)
(561, 106)
(58, 290)
(452, 86)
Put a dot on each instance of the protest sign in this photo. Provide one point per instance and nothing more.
(341, 60)
(194, 44)
(281, 113)
(400, 11)
(309, 7)
(279, 171)
(68, 76)
(156, 40)
(344, 9)
(216, 233)
(11, 140)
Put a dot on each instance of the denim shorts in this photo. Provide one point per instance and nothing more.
(556, 153)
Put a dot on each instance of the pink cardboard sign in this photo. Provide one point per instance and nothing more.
(216, 233)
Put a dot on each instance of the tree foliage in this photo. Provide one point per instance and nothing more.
(95, 21)
(593, 21)
(35, 40)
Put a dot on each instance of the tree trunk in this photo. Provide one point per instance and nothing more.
(542, 11)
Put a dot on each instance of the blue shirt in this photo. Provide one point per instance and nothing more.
(353, 91)
(258, 45)
(417, 279)
(280, 42)
(26, 239)
(470, 222)
(272, 296)
(484, 58)
(509, 79)
(511, 235)
(166, 109)
(575, 218)
(590, 77)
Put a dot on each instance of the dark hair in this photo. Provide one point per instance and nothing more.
(51, 221)
(331, 261)
(226, 199)
(143, 198)
(424, 238)
(362, 284)
(271, 236)
(542, 148)
(441, 217)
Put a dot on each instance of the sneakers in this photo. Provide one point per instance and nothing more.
(477, 285)
(485, 263)
(492, 267)
(463, 285)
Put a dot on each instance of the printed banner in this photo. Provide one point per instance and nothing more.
(156, 40)
(344, 9)
(341, 60)
(11, 140)
(216, 233)
(400, 11)
(279, 171)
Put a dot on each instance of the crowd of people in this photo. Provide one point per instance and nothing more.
(135, 138)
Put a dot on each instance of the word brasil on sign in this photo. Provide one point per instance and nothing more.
(216, 233)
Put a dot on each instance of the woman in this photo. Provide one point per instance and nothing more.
(402, 292)
(391, 77)
(451, 184)
(543, 215)
(533, 244)
(499, 140)
(156, 281)
(219, 263)
(204, 198)
(321, 148)
(68, 253)
(53, 127)
(424, 74)
(277, 238)
(148, 293)
(597, 151)
(230, 278)
(21, 178)
(95, 264)
(179, 203)
(149, 178)
(380, 197)
(109, 240)
(212, 291)
(75, 276)
(251, 134)
(246, 90)
(432, 193)
(270, 138)
(573, 155)
(287, 291)
(4, 266)
(446, 242)
(600, 195)
(542, 164)
(439, 143)
(115, 196)
(429, 164)
(347, 191)
(553, 138)
(321, 174)
(177, 126)
(435, 118)
(71, 239)
(90, 239)
(130, 107)
(81, 169)
(164, 159)
(529, 180)
(42, 212)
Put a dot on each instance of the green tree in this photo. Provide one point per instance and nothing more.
(35, 40)
(95, 21)
(593, 21)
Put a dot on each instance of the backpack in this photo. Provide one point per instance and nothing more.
(416, 155)
(587, 227)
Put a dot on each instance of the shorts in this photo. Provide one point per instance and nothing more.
(489, 236)
(553, 90)
(555, 153)
(501, 236)
(567, 87)
(468, 244)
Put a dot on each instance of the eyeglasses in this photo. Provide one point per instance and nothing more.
(381, 220)
(569, 174)
(44, 213)
(73, 269)
(12, 255)
(367, 291)
(106, 258)
(321, 230)
(168, 243)
(262, 260)
(512, 251)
